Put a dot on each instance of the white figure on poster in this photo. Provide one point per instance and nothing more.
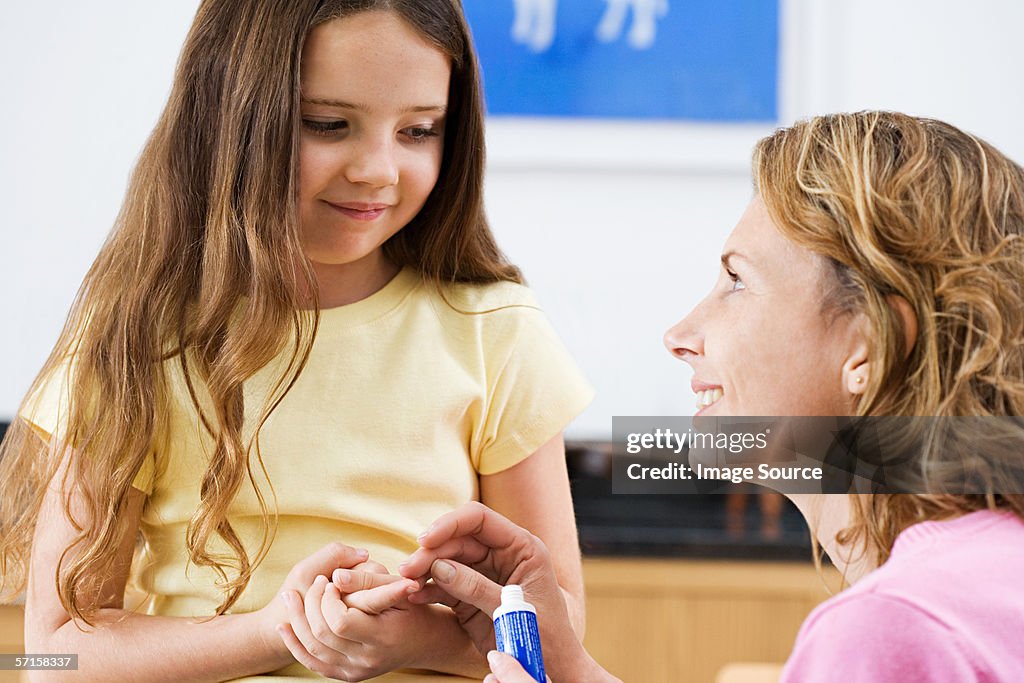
(534, 24)
(645, 21)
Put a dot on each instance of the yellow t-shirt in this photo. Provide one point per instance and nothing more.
(406, 397)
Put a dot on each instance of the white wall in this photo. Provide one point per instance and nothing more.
(617, 226)
(82, 84)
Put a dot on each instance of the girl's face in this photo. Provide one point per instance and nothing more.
(374, 95)
(760, 343)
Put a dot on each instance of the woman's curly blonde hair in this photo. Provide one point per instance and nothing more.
(914, 208)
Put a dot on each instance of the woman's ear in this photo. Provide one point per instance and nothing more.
(857, 367)
(906, 312)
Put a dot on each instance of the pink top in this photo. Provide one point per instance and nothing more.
(947, 606)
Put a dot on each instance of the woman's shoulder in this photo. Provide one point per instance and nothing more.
(955, 569)
(875, 612)
(950, 596)
(879, 637)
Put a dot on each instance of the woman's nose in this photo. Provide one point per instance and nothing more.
(372, 163)
(684, 339)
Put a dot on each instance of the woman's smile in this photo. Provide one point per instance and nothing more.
(707, 394)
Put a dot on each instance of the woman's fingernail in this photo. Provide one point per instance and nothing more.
(426, 533)
(442, 571)
(286, 597)
(362, 553)
(343, 575)
(493, 658)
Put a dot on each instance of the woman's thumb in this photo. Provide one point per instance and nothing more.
(466, 585)
(507, 670)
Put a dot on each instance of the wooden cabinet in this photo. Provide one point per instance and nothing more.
(681, 621)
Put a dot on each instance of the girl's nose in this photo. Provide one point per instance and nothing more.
(373, 163)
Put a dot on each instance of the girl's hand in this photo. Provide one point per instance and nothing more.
(370, 632)
(362, 577)
(300, 579)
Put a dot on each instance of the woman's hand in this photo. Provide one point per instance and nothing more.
(505, 669)
(470, 553)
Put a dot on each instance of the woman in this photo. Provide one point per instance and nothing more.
(878, 271)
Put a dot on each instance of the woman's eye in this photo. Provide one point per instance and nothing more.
(737, 283)
(419, 133)
(324, 127)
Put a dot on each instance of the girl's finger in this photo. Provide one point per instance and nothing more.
(300, 627)
(352, 580)
(339, 620)
(432, 593)
(300, 654)
(372, 566)
(319, 626)
(330, 556)
(376, 600)
(362, 630)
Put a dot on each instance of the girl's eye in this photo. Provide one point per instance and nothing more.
(325, 128)
(420, 134)
(737, 283)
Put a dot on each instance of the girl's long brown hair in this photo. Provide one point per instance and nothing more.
(915, 208)
(205, 269)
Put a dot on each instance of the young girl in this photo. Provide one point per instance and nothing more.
(299, 344)
(878, 271)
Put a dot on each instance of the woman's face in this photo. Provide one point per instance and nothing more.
(374, 96)
(760, 344)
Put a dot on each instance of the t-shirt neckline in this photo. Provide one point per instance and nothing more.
(378, 304)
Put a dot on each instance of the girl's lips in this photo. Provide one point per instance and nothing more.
(360, 212)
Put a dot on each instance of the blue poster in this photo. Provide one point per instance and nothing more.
(696, 60)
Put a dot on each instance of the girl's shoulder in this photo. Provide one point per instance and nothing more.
(490, 297)
(500, 316)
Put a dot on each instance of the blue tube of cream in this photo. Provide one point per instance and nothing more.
(515, 631)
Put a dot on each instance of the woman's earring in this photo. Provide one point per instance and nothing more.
(859, 379)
